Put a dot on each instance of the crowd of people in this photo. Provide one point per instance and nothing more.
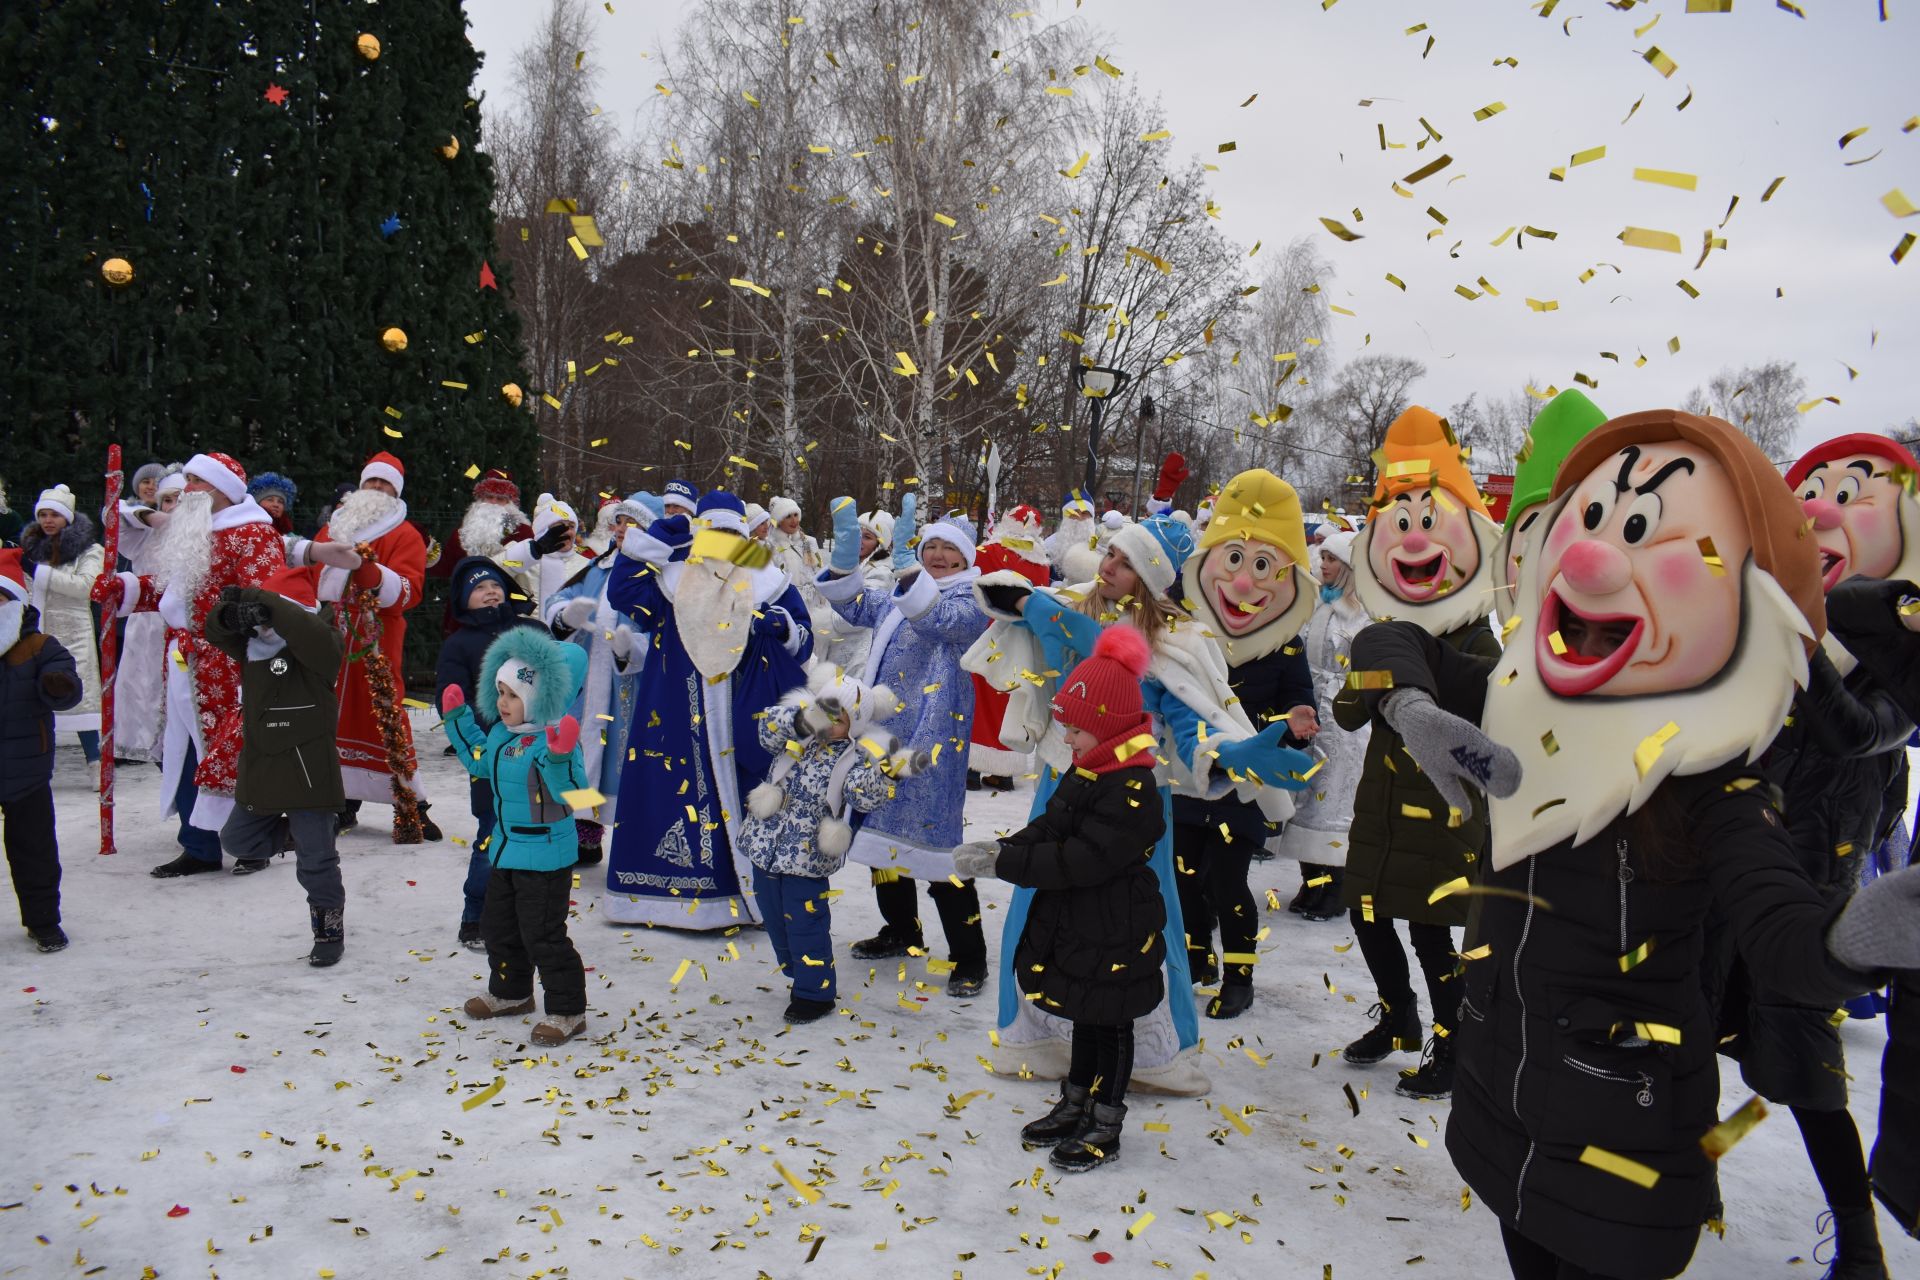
(1629, 764)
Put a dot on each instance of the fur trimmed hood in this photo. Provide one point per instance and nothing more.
(72, 541)
(559, 670)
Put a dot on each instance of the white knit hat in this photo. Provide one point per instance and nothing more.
(522, 679)
(172, 482)
(781, 508)
(59, 498)
(1339, 546)
(757, 515)
(955, 533)
(550, 511)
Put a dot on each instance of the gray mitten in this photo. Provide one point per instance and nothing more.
(975, 859)
(820, 715)
(1880, 928)
(1451, 751)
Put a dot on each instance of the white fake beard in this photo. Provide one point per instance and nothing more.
(12, 614)
(487, 527)
(714, 620)
(1592, 777)
(1247, 646)
(360, 511)
(1467, 603)
(183, 549)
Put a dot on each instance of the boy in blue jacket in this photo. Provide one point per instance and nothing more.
(526, 747)
(485, 602)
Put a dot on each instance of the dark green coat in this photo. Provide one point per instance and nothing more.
(287, 755)
(1400, 848)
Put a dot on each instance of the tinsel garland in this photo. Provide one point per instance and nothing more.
(388, 713)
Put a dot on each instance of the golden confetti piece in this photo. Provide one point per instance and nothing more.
(1898, 205)
(485, 1095)
(944, 220)
(1158, 135)
(1673, 345)
(1073, 170)
(762, 290)
(1416, 811)
(1234, 1119)
(1647, 754)
(1447, 890)
(1620, 1167)
(1362, 680)
(1900, 250)
(1642, 238)
(800, 1188)
(1720, 1139)
(585, 798)
(1667, 178)
(1549, 743)
(579, 250)
(1586, 157)
(906, 368)
(1140, 1224)
(1657, 1032)
(1339, 230)
(1555, 643)
(1709, 6)
(1480, 952)
(1156, 1126)
(1660, 62)
(679, 973)
(1535, 304)
(391, 432)
(1489, 111)
(1712, 557)
(1636, 957)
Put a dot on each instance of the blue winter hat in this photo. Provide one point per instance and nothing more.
(474, 570)
(721, 510)
(647, 502)
(273, 482)
(681, 493)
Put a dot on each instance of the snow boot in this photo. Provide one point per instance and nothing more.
(996, 782)
(1202, 968)
(329, 936)
(1096, 1143)
(1857, 1254)
(1433, 1078)
(1325, 905)
(885, 945)
(967, 979)
(184, 865)
(1062, 1122)
(347, 820)
(973, 780)
(1395, 1028)
(590, 855)
(428, 831)
(1235, 998)
(250, 866)
(802, 1011)
(558, 1028)
(489, 1005)
(470, 936)
(49, 938)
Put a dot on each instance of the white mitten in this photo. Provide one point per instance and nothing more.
(577, 612)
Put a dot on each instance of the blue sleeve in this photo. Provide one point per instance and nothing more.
(858, 605)
(1181, 722)
(469, 744)
(799, 641)
(561, 774)
(777, 728)
(633, 588)
(954, 617)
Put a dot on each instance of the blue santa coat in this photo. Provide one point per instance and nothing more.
(603, 743)
(919, 633)
(665, 867)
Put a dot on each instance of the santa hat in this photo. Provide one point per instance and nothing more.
(719, 509)
(1875, 446)
(679, 493)
(1156, 548)
(1019, 531)
(1102, 694)
(1419, 453)
(220, 471)
(1113, 521)
(384, 466)
(550, 511)
(13, 578)
(1772, 511)
(495, 485)
(956, 532)
(757, 515)
(297, 585)
(1259, 506)
(273, 482)
(172, 482)
(58, 499)
(1561, 424)
(781, 508)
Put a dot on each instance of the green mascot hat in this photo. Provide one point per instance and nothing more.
(1562, 424)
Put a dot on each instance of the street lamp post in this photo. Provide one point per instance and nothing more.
(1097, 383)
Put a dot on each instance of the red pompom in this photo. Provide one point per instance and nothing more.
(1126, 646)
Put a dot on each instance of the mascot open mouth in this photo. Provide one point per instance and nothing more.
(1239, 614)
(1421, 579)
(1593, 648)
(1833, 567)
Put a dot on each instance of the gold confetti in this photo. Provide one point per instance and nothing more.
(804, 1191)
(1667, 178)
(585, 798)
(1648, 752)
(1425, 171)
(485, 1095)
(1636, 957)
(1457, 885)
(1642, 238)
(1712, 557)
(1620, 1167)
(1339, 230)
(1720, 1139)
(1898, 205)
(1587, 157)
(1489, 111)
(1660, 62)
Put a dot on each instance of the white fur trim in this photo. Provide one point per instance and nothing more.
(202, 467)
(550, 511)
(723, 519)
(780, 508)
(384, 471)
(919, 595)
(641, 545)
(999, 578)
(843, 589)
(765, 800)
(951, 534)
(392, 588)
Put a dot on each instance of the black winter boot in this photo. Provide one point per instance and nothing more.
(1857, 1254)
(967, 980)
(1202, 968)
(1235, 998)
(1325, 903)
(1433, 1078)
(1397, 1029)
(591, 854)
(184, 865)
(885, 944)
(470, 936)
(49, 938)
(329, 936)
(1062, 1122)
(1097, 1142)
(802, 1011)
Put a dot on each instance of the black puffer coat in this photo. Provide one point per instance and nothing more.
(1560, 1049)
(462, 650)
(1400, 848)
(37, 678)
(288, 758)
(1092, 949)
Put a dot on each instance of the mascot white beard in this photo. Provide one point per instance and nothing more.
(1577, 755)
(182, 550)
(1467, 603)
(1907, 570)
(488, 526)
(713, 610)
(362, 510)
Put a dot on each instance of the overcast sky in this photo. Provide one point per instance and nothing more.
(1772, 95)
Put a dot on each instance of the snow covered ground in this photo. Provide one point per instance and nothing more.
(189, 1097)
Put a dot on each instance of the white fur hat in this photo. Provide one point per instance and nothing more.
(781, 508)
(880, 525)
(757, 515)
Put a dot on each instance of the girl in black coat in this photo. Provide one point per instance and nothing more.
(1092, 949)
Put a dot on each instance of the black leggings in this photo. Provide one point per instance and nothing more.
(1387, 962)
(1102, 1060)
(1533, 1262)
(1833, 1146)
(1213, 888)
(959, 908)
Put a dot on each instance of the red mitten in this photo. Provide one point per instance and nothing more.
(562, 737)
(106, 590)
(367, 576)
(451, 698)
(1173, 474)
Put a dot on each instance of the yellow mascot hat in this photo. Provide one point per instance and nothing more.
(1261, 507)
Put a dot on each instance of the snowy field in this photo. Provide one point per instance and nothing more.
(189, 1098)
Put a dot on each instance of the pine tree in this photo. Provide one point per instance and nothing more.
(283, 199)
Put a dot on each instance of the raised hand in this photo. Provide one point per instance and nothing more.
(846, 536)
(561, 737)
(1451, 751)
(904, 554)
(1262, 754)
(452, 698)
(576, 613)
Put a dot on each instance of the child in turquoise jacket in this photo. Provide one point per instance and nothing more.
(525, 746)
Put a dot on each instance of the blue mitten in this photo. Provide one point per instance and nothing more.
(1277, 766)
(846, 536)
(904, 555)
(1052, 618)
(673, 530)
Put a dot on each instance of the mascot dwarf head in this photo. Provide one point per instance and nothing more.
(1562, 423)
(1858, 493)
(1666, 610)
(1250, 584)
(1427, 553)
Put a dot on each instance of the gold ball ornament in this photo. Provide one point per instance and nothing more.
(369, 46)
(117, 272)
(512, 394)
(452, 148)
(394, 339)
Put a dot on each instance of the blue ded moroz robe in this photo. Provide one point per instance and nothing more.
(693, 751)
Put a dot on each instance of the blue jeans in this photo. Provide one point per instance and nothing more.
(89, 744)
(480, 803)
(204, 845)
(794, 910)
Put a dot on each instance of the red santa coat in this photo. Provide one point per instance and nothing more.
(990, 705)
(246, 551)
(396, 574)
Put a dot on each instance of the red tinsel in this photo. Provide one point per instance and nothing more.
(387, 714)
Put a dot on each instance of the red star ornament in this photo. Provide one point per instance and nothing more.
(275, 94)
(486, 278)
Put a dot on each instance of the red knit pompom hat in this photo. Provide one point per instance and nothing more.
(1102, 694)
